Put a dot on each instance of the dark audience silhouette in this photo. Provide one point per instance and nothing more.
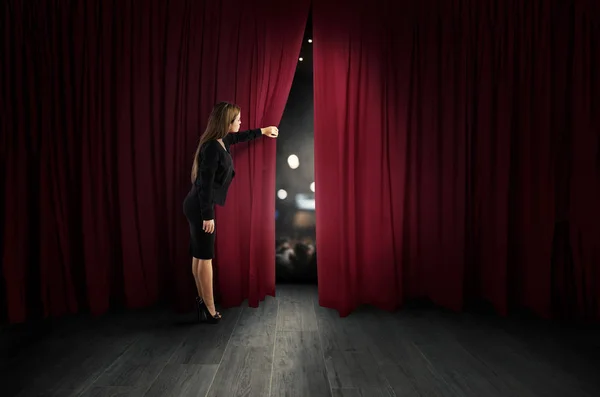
(295, 261)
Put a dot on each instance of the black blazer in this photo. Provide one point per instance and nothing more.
(215, 171)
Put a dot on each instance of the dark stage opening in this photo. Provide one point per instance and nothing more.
(295, 186)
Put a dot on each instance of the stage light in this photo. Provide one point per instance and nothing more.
(282, 194)
(310, 40)
(312, 187)
(293, 161)
(305, 202)
(301, 59)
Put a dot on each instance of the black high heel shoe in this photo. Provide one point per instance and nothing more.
(209, 317)
(200, 313)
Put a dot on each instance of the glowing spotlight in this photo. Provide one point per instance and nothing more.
(282, 194)
(310, 40)
(312, 187)
(301, 59)
(293, 161)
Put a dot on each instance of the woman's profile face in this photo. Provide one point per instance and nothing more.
(235, 126)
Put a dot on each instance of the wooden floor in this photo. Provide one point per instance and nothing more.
(290, 346)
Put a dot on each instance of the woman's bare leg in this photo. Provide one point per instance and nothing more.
(196, 272)
(206, 279)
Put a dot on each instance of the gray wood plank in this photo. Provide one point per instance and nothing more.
(462, 374)
(339, 334)
(114, 391)
(257, 326)
(130, 374)
(354, 369)
(569, 355)
(183, 380)
(296, 308)
(206, 343)
(351, 354)
(391, 340)
(141, 363)
(512, 361)
(415, 383)
(247, 362)
(80, 364)
(244, 371)
(296, 317)
(298, 293)
(299, 369)
(369, 392)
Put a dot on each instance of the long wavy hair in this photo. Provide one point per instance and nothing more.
(221, 117)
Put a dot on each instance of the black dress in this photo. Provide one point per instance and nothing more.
(215, 173)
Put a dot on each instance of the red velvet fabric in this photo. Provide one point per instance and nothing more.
(457, 154)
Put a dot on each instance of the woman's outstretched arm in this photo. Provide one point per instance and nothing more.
(243, 136)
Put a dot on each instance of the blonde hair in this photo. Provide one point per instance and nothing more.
(221, 117)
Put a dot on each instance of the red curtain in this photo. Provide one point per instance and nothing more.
(457, 154)
(105, 102)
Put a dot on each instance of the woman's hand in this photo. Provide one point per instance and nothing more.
(271, 132)
(208, 226)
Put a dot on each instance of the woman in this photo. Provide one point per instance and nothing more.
(212, 173)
